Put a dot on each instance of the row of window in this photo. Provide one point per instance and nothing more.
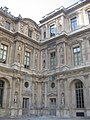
(7, 26)
(74, 26)
(76, 55)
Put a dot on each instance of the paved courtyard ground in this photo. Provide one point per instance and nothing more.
(43, 118)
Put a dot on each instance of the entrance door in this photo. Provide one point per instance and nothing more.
(53, 106)
(25, 105)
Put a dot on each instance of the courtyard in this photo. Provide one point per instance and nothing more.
(43, 118)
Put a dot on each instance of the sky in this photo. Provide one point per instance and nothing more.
(34, 9)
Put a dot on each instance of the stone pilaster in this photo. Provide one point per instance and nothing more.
(45, 94)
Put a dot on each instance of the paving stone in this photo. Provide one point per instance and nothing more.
(43, 118)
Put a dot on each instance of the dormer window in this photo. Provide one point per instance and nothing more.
(7, 25)
(73, 23)
(29, 33)
(52, 30)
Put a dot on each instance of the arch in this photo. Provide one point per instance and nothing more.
(32, 21)
(76, 94)
(5, 80)
(74, 81)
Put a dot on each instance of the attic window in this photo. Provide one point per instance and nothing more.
(29, 33)
(7, 25)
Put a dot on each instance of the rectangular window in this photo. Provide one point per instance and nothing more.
(52, 60)
(29, 33)
(52, 30)
(79, 95)
(27, 60)
(73, 23)
(3, 53)
(7, 25)
(77, 56)
(25, 103)
(89, 16)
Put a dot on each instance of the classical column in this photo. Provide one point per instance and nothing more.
(45, 94)
(33, 99)
(63, 23)
(47, 31)
(12, 98)
(20, 98)
(23, 52)
(80, 18)
(58, 97)
(66, 99)
(66, 94)
(39, 95)
(85, 17)
(65, 59)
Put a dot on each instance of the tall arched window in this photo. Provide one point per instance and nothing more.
(1, 92)
(79, 94)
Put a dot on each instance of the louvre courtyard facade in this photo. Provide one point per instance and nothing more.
(45, 68)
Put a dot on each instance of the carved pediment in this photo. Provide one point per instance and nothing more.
(52, 94)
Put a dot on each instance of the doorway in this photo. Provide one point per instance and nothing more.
(53, 106)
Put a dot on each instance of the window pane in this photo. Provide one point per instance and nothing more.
(78, 49)
(7, 25)
(52, 30)
(5, 47)
(77, 56)
(79, 95)
(4, 57)
(52, 60)
(27, 60)
(73, 23)
(3, 52)
(89, 16)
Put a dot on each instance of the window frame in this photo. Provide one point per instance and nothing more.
(27, 61)
(53, 60)
(3, 52)
(76, 56)
(88, 16)
(74, 23)
(25, 104)
(79, 91)
(52, 30)
(7, 25)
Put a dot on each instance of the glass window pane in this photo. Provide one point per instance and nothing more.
(4, 57)
(78, 49)
(73, 23)
(74, 50)
(5, 53)
(5, 47)
(79, 95)
(89, 16)
(52, 30)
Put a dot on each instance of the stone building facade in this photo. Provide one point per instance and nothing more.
(45, 68)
